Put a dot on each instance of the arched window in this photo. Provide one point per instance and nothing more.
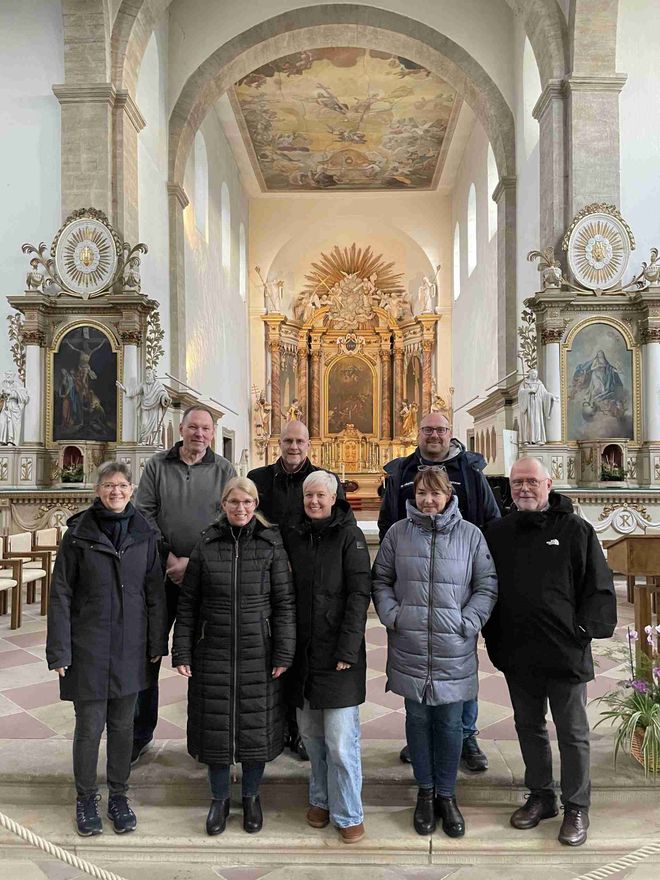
(531, 92)
(493, 179)
(457, 262)
(225, 221)
(471, 229)
(242, 262)
(201, 199)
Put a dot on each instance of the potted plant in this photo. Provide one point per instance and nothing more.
(635, 707)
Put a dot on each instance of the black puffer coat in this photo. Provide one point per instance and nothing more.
(331, 571)
(235, 622)
(107, 614)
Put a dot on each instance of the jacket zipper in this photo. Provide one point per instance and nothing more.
(429, 677)
(235, 654)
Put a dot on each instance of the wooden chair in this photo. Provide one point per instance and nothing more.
(47, 539)
(37, 565)
(11, 579)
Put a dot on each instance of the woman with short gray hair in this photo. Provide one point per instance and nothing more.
(106, 620)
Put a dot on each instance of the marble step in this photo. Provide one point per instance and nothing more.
(176, 835)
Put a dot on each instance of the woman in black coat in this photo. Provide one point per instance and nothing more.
(106, 619)
(331, 571)
(234, 637)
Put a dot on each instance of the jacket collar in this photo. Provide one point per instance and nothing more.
(342, 514)
(173, 454)
(439, 522)
(83, 525)
(303, 471)
(558, 505)
(220, 530)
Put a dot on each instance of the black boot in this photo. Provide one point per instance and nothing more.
(217, 817)
(453, 823)
(253, 818)
(424, 816)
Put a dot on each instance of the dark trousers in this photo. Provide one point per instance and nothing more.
(220, 782)
(435, 740)
(92, 716)
(146, 707)
(568, 704)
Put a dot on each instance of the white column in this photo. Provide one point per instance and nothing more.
(552, 381)
(130, 379)
(33, 425)
(651, 386)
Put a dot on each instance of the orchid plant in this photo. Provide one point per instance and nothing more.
(635, 705)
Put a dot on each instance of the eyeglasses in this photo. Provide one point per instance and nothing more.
(518, 484)
(123, 487)
(233, 503)
(432, 467)
(428, 432)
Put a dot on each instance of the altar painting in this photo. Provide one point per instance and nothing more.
(350, 396)
(599, 375)
(83, 388)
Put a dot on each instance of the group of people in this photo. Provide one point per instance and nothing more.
(267, 580)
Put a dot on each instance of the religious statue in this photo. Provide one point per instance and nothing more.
(153, 401)
(261, 412)
(426, 294)
(535, 403)
(132, 279)
(439, 404)
(651, 271)
(13, 398)
(294, 411)
(408, 413)
(35, 278)
(550, 269)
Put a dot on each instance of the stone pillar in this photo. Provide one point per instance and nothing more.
(315, 393)
(507, 317)
(86, 126)
(128, 123)
(33, 421)
(651, 384)
(177, 203)
(552, 380)
(398, 387)
(301, 380)
(275, 395)
(386, 392)
(550, 111)
(129, 379)
(427, 376)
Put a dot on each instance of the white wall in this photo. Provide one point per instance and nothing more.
(31, 61)
(637, 56)
(217, 351)
(151, 98)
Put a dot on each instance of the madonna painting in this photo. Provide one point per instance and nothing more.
(84, 390)
(350, 396)
(600, 388)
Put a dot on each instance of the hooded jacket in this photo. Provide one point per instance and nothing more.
(555, 593)
(281, 494)
(235, 622)
(476, 500)
(333, 586)
(107, 614)
(434, 586)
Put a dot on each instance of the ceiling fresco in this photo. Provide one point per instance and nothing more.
(345, 119)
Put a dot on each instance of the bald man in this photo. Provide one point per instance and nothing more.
(555, 595)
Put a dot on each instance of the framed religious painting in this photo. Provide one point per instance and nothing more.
(600, 380)
(350, 396)
(82, 385)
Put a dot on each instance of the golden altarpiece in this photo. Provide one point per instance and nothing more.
(353, 362)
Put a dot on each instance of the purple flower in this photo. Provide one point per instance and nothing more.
(648, 630)
(633, 635)
(649, 639)
(641, 687)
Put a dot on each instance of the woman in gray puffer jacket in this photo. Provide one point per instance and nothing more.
(434, 587)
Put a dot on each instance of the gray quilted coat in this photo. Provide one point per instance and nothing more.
(434, 587)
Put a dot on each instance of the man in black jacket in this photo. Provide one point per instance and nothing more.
(477, 504)
(281, 502)
(555, 595)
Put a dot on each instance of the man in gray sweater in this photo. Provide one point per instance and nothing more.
(180, 492)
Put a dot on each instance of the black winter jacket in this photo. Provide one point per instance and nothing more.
(235, 622)
(281, 494)
(475, 498)
(555, 593)
(107, 614)
(331, 571)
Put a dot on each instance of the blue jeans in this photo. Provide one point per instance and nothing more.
(435, 740)
(219, 779)
(332, 740)
(470, 712)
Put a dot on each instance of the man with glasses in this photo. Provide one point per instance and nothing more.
(555, 595)
(180, 493)
(437, 448)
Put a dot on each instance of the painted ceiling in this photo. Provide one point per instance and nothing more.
(345, 119)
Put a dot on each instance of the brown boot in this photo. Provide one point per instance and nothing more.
(573, 831)
(353, 833)
(317, 817)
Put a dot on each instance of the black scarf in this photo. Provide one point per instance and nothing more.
(113, 525)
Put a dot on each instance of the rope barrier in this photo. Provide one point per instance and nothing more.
(57, 851)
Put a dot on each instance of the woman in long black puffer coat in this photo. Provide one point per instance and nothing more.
(235, 635)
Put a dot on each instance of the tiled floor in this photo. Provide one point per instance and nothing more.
(30, 707)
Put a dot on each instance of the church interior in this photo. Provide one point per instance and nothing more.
(350, 214)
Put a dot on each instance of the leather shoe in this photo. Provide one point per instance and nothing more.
(352, 833)
(404, 755)
(424, 816)
(472, 757)
(317, 817)
(253, 818)
(217, 817)
(573, 831)
(453, 823)
(539, 805)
